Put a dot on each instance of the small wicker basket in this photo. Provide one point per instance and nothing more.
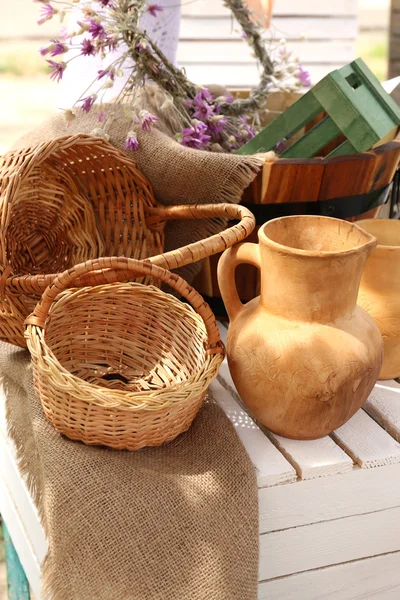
(77, 198)
(122, 365)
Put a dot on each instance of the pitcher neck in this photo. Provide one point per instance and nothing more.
(311, 288)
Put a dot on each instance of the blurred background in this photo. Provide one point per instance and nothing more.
(324, 35)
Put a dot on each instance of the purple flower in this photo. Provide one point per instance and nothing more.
(106, 3)
(304, 77)
(147, 119)
(101, 116)
(281, 146)
(57, 48)
(131, 142)
(202, 103)
(196, 136)
(229, 98)
(246, 132)
(88, 49)
(203, 95)
(111, 43)
(87, 103)
(203, 111)
(153, 9)
(96, 30)
(103, 72)
(232, 146)
(47, 13)
(57, 69)
(141, 46)
(244, 135)
(216, 125)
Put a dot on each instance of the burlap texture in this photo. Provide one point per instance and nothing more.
(179, 175)
(178, 522)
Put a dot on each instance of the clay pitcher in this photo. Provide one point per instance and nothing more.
(303, 356)
(380, 290)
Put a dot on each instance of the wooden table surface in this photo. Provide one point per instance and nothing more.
(329, 509)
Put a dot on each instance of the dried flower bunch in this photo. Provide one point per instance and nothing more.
(201, 121)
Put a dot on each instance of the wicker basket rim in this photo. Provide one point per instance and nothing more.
(101, 395)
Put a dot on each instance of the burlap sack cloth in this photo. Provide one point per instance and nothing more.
(179, 522)
(179, 175)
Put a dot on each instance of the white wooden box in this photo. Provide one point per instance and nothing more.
(329, 509)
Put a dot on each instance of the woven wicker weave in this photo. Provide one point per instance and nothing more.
(122, 365)
(78, 198)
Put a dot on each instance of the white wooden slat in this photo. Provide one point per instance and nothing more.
(311, 458)
(335, 28)
(315, 7)
(243, 75)
(238, 51)
(388, 384)
(272, 468)
(18, 489)
(314, 458)
(329, 543)
(366, 442)
(26, 507)
(375, 578)
(30, 11)
(215, 8)
(17, 532)
(335, 497)
(383, 405)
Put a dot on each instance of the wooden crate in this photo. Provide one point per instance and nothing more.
(355, 106)
(329, 509)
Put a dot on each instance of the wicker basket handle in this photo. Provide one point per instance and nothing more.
(168, 260)
(203, 248)
(136, 268)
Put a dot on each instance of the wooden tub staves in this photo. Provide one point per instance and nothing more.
(347, 187)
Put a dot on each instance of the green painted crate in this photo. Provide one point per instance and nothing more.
(356, 105)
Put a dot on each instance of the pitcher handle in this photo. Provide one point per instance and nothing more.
(231, 258)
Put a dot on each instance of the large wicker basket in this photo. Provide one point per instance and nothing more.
(78, 198)
(123, 365)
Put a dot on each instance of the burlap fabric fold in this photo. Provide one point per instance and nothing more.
(179, 175)
(178, 522)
